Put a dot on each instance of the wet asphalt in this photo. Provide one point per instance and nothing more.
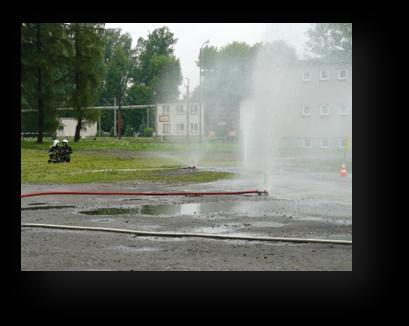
(304, 205)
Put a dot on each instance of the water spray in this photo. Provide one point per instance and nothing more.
(262, 192)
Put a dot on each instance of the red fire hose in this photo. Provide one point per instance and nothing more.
(180, 193)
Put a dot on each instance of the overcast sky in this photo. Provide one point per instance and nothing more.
(192, 35)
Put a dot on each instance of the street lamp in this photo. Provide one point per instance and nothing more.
(200, 88)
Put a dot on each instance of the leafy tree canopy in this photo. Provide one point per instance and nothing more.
(331, 41)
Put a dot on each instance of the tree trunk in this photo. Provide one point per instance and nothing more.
(77, 135)
(40, 102)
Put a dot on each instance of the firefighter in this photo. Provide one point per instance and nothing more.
(54, 152)
(66, 150)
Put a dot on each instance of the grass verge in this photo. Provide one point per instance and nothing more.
(91, 166)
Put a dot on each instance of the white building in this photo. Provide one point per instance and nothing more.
(179, 119)
(312, 102)
(67, 128)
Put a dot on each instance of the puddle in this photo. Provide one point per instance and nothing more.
(38, 204)
(45, 207)
(270, 209)
(236, 207)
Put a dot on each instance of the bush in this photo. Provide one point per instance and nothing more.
(148, 132)
(141, 128)
(129, 131)
(221, 132)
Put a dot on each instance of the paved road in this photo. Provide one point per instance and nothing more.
(307, 204)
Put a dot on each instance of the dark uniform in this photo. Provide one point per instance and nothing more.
(54, 154)
(65, 150)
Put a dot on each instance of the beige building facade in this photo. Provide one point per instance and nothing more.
(179, 119)
(312, 103)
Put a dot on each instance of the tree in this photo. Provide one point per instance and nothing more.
(137, 94)
(226, 73)
(45, 49)
(119, 61)
(156, 67)
(86, 71)
(145, 74)
(208, 58)
(229, 75)
(129, 131)
(276, 53)
(166, 78)
(117, 78)
(113, 40)
(330, 40)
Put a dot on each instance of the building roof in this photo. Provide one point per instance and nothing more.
(332, 60)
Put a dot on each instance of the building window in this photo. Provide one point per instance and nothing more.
(180, 108)
(306, 76)
(166, 128)
(306, 143)
(324, 143)
(194, 127)
(165, 109)
(324, 75)
(306, 110)
(342, 143)
(342, 110)
(324, 110)
(180, 127)
(194, 108)
(343, 74)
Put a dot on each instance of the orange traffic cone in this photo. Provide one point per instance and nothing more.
(343, 172)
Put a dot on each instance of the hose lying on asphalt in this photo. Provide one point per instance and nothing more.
(188, 235)
(179, 193)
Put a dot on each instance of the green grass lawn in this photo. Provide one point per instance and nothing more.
(134, 144)
(140, 160)
(119, 161)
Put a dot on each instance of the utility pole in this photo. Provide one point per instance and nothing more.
(201, 92)
(115, 117)
(187, 109)
(119, 114)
